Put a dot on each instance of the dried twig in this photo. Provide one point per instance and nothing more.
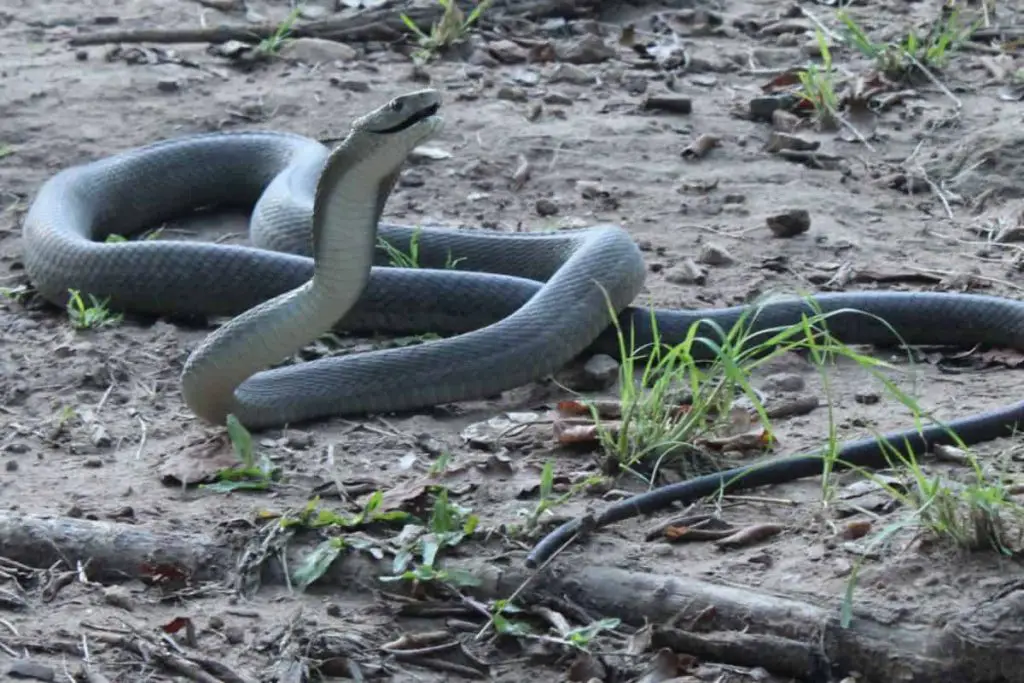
(377, 24)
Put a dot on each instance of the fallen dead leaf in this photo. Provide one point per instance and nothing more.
(783, 81)
(857, 528)
(750, 535)
(604, 408)
(757, 439)
(492, 433)
(198, 461)
(708, 530)
(573, 432)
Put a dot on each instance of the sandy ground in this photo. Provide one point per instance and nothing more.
(92, 424)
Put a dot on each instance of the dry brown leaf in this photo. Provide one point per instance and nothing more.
(605, 408)
(857, 528)
(750, 535)
(784, 81)
(571, 432)
(758, 439)
(678, 532)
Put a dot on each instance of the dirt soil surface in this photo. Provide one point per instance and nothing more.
(92, 423)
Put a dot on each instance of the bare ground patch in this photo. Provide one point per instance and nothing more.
(658, 118)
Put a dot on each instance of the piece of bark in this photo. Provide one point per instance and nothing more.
(737, 625)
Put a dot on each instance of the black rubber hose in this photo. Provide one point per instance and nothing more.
(865, 453)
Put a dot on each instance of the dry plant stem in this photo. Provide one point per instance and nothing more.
(785, 635)
(149, 651)
(382, 24)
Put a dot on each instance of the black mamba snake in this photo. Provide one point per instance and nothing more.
(520, 305)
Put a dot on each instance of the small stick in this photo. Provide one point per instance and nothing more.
(142, 441)
(372, 24)
(761, 499)
(931, 77)
(675, 104)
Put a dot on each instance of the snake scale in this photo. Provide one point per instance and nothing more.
(518, 307)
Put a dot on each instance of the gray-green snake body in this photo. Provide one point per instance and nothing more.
(520, 305)
(512, 330)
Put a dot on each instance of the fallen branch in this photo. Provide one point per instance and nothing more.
(729, 624)
(376, 24)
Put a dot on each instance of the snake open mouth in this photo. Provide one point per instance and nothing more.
(412, 120)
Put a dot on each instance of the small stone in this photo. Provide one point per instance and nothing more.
(589, 189)
(557, 99)
(784, 382)
(812, 48)
(215, 622)
(867, 398)
(333, 610)
(507, 52)
(790, 223)
(232, 49)
(601, 371)
(17, 448)
(348, 84)
(64, 351)
(411, 179)
(93, 463)
(11, 465)
(118, 596)
(686, 272)
(299, 440)
(635, 84)
(318, 50)
(312, 12)
(511, 93)
(569, 73)
(483, 58)
(526, 77)
(546, 207)
(100, 438)
(168, 85)
(590, 49)
(234, 635)
(762, 108)
(82, 55)
(428, 153)
(124, 512)
(554, 25)
(779, 141)
(714, 255)
(26, 668)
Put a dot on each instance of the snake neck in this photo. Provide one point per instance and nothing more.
(347, 206)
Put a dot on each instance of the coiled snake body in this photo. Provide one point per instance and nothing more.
(520, 305)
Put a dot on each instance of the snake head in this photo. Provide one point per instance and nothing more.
(380, 142)
(409, 118)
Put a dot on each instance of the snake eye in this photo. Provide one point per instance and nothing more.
(396, 106)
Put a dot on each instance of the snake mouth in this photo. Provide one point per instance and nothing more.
(421, 115)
